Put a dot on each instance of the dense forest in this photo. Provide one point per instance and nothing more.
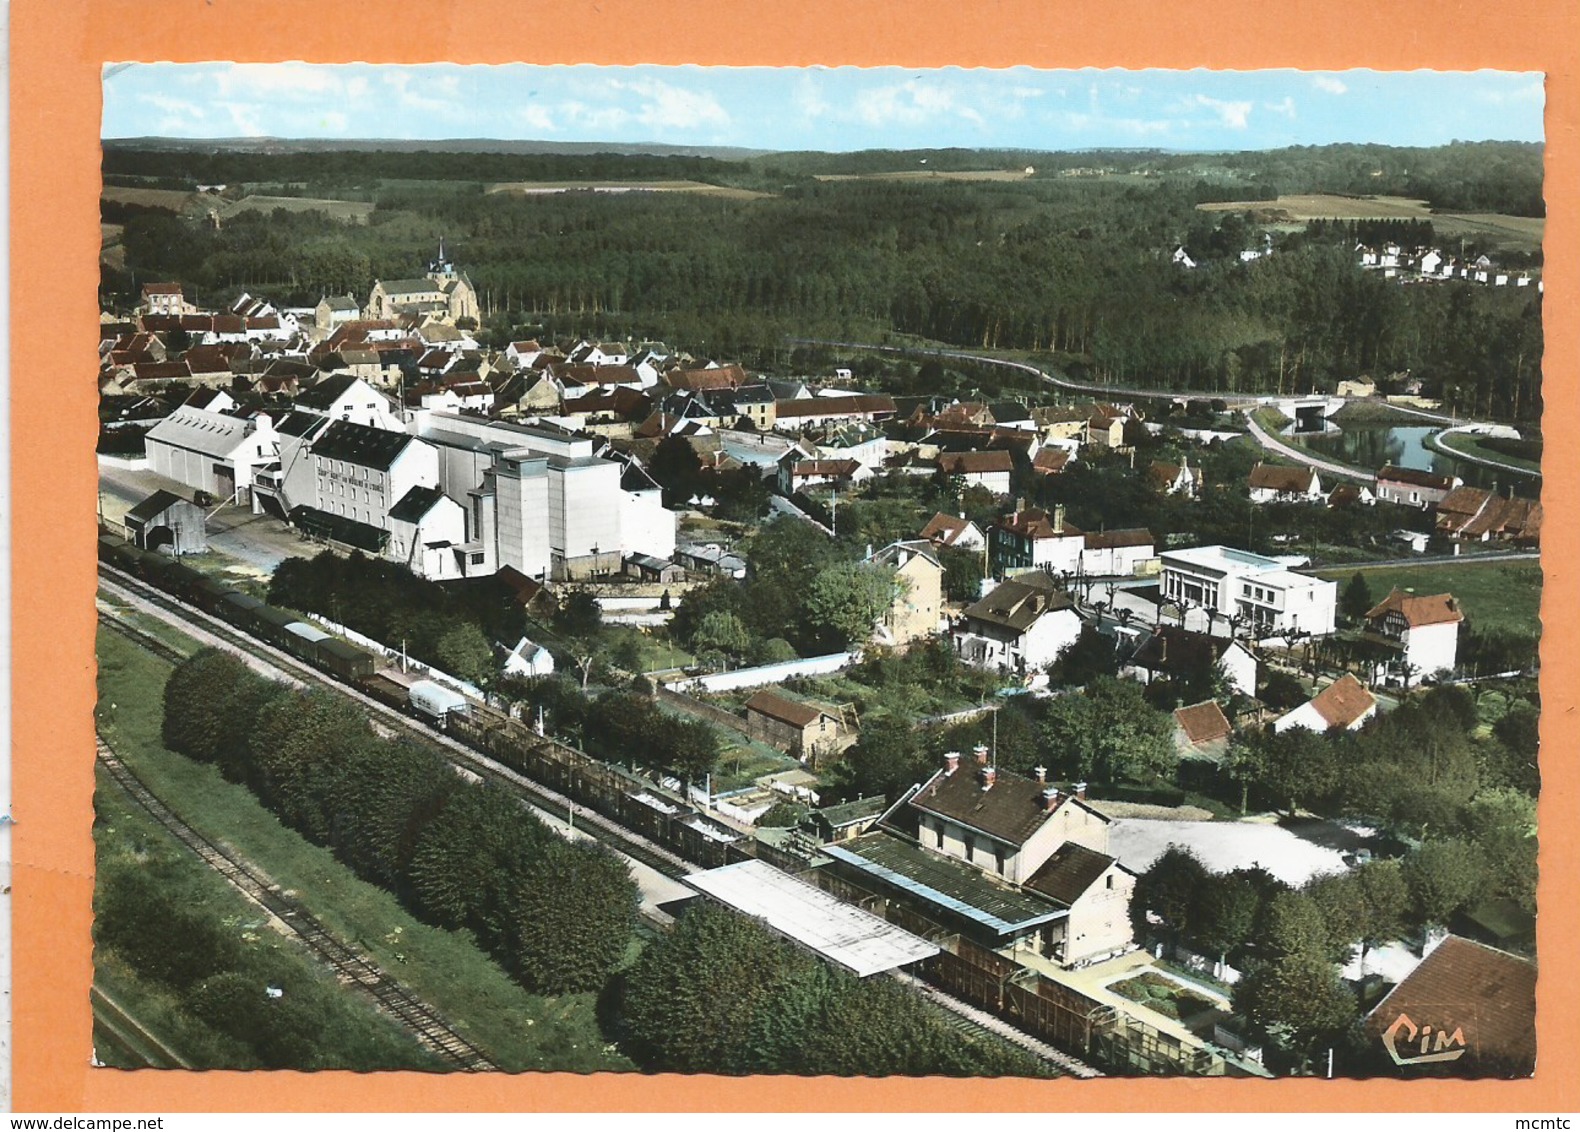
(1074, 270)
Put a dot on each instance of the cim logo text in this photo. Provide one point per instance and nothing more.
(1409, 1044)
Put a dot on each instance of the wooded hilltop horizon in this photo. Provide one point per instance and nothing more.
(1065, 257)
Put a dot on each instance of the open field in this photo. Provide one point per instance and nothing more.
(518, 1030)
(532, 188)
(931, 175)
(352, 211)
(171, 200)
(1495, 595)
(1520, 231)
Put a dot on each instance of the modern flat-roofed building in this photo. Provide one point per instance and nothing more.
(1236, 583)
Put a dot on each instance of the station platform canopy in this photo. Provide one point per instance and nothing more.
(843, 934)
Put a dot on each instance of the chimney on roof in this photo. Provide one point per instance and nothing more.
(1080, 791)
(987, 775)
(1058, 519)
(981, 752)
(1042, 776)
(1050, 799)
(951, 762)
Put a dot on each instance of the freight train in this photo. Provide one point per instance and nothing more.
(287, 631)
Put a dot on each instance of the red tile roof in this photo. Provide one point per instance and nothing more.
(1343, 702)
(1286, 481)
(944, 528)
(1391, 473)
(976, 463)
(793, 712)
(1203, 722)
(1487, 995)
(1428, 609)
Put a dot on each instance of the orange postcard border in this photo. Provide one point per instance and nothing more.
(57, 49)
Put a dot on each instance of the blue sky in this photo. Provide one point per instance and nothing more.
(827, 108)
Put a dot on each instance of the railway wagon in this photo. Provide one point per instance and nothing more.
(347, 661)
(208, 594)
(237, 608)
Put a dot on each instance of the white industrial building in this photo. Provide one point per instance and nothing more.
(1237, 583)
(209, 451)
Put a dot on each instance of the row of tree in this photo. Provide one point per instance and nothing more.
(557, 914)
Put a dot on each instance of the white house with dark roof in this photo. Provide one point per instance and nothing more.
(1413, 487)
(345, 397)
(953, 530)
(1021, 626)
(361, 473)
(427, 529)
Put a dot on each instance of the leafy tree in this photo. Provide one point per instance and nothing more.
(1226, 913)
(1296, 765)
(210, 702)
(845, 600)
(1501, 824)
(571, 918)
(1356, 600)
(1298, 1002)
(380, 804)
(722, 632)
(1109, 732)
(1171, 889)
(579, 614)
(1294, 924)
(962, 572)
(1282, 691)
(1089, 656)
(463, 651)
(886, 760)
(677, 469)
(1444, 876)
(300, 744)
(464, 866)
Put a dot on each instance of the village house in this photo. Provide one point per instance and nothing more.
(1424, 629)
(1050, 460)
(796, 473)
(953, 530)
(1175, 479)
(163, 298)
(793, 416)
(1273, 483)
(1261, 591)
(425, 528)
(1468, 1010)
(1343, 705)
(1020, 627)
(333, 312)
(1474, 514)
(1032, 539)
(1172, 653)
(916, 611)
(805, 731)
(1413, 487)
(990, 470)
(1201, 731)
(1122, 553)
(342, 397)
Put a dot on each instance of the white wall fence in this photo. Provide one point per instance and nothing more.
(412, 665)
(766, 673)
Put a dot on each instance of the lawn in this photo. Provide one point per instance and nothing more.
(355, 1033)
(1467, 444)
(516, 1029)
(1495, 595)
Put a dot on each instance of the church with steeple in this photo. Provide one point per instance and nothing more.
(444, 295)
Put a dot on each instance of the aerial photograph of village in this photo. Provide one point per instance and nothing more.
(824, 571)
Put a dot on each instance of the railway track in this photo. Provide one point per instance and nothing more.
(352, 968)
(546, 799)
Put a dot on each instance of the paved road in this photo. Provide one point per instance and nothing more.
(1273, 444)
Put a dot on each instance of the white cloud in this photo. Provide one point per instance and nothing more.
(1531, 93)
(1232, 115)
(670, 107)
(1328, 84)
(536, 117)
(176, 109)
(1286, 107)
